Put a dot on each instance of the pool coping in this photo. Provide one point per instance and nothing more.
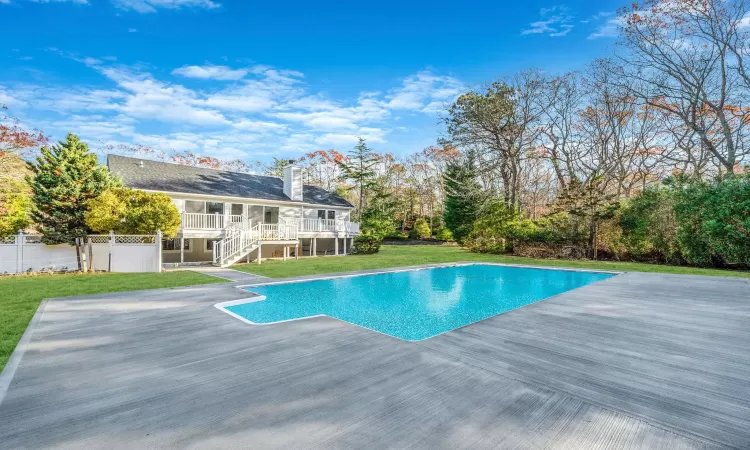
(221, 306)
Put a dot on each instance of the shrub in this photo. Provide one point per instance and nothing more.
(648, 226)
(132, 211)
(444, 234)
(367, 244)
(397, 236)
(378, 222)
(491, 230)
(14, 208)
(714, 221)
(421, 230)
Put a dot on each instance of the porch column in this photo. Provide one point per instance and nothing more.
(260, 247)
(345, 239)
(296, 252)
(285, 251)
(336, 246)
(182, 250)
(351, 244)
(314, 246)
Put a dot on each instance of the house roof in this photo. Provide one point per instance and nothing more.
(168, 177)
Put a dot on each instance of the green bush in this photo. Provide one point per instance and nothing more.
(492, 229)
(714, 221)
(444, 234)
(377, 222)
(367, 244)
(421, 230)
(649, 227)
(397, 236)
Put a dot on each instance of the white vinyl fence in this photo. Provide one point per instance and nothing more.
(112, 253)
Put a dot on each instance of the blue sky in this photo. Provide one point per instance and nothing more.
(252, 80)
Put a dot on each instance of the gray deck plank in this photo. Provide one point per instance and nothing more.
(636, 361)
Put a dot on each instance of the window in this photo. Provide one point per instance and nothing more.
(323, 214)
(174, 244)
(214, 208)
(193, 206)
(236, 209)
(210, 244)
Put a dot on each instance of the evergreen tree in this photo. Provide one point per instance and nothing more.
(462, 197)
(360, 168)
(590, 202)
(276, 167)
(63, 180)
(378, 217)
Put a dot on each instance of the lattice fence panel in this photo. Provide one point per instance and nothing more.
(32, 239)
(135, 239)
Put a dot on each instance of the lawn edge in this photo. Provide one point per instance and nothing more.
(6, 376)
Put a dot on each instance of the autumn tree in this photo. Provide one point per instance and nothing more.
(15, 203)
(689, 59)
(183, 158)
(321, 168)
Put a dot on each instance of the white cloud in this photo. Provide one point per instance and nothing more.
(258, 125)
(554, 21)
(151, 6)
(211, 72)
(610, 28)
(152, 99)
(10, 100)
(424, 91)
(598, 16)
(268, 111)
(132, 30)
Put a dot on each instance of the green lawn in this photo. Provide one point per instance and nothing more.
(412, 255)
(20, 296)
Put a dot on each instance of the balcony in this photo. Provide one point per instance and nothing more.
(312, 227)
(218, 223)
(195, 221)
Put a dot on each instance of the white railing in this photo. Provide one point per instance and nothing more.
(322, 225)
(282, 231)
(196, 221)
(235, 242)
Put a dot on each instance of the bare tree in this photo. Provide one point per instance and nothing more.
(687, 58)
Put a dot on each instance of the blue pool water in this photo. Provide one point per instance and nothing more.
(417, 304)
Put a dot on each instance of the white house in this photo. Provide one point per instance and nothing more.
(230, 216)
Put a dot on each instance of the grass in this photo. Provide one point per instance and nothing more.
(20, 296)
(413, 255)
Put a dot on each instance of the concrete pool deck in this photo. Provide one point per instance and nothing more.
(635, 361)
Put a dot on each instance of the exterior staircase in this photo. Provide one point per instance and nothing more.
(241, 239)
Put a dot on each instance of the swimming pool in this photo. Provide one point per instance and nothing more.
(415, 304)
